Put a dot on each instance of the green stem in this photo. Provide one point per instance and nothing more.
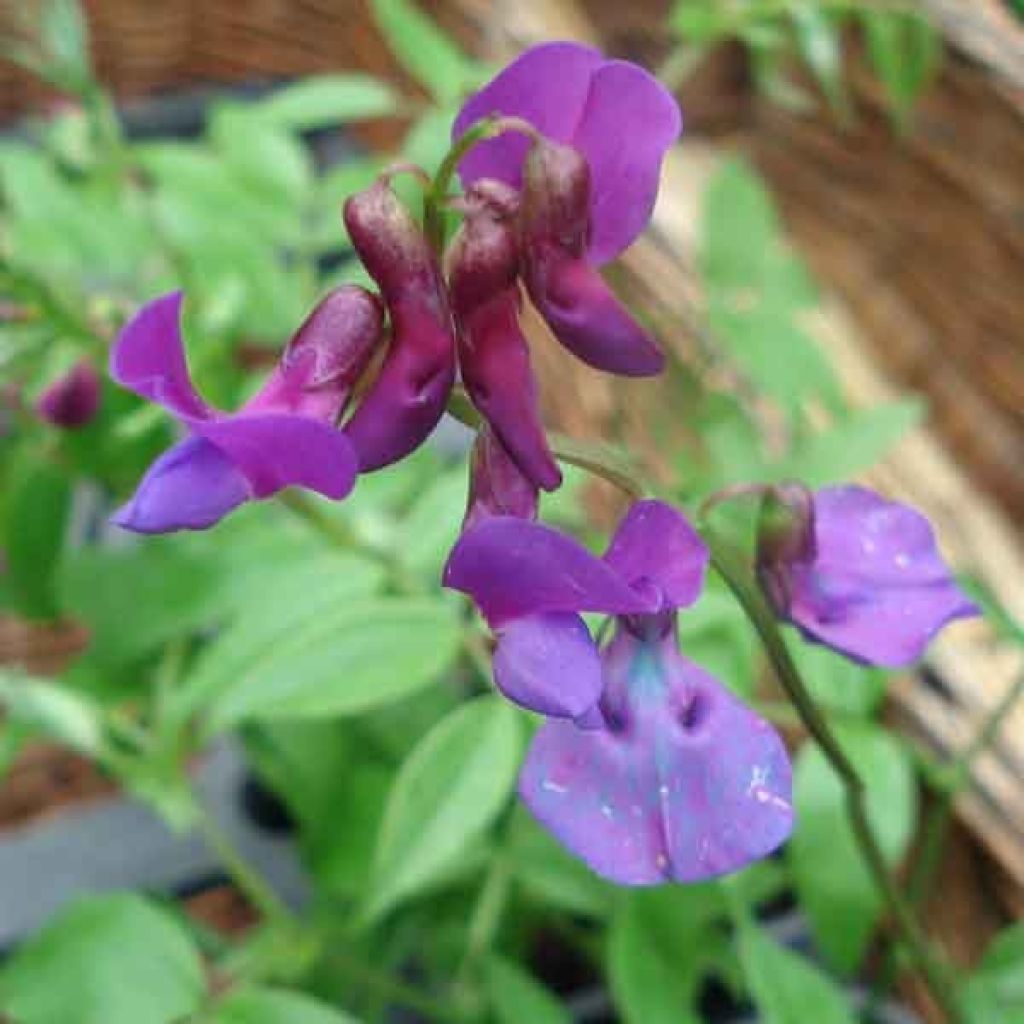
(251, 884)
(733, 570)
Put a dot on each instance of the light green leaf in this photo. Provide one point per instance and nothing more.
(995, 991)
(450, 788)
(832, 881)
(785, 987)
(54, 711)
(351, 658)
(259, 1005)
(431, 526)
(424, 50)
(325, 100)
(518, 998)
(845, 449)
(657, 945)
(818, 40)
(105, 960)
(905, 50)
(837, 683)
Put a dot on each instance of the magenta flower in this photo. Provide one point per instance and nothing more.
(664, 775)
(71, 401)
(284, 436)
(867, 580)
(497, 486)
(616, 114)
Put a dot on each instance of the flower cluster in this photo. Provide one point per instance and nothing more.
(646, 767)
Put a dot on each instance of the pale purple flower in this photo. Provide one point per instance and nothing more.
(663, 775)
(868, 579)
(615, 113)
(286, 435)
(73, 400)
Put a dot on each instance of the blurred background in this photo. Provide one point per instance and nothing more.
(836, 264)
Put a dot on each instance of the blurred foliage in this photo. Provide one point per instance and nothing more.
(321, 639)
(902, 47)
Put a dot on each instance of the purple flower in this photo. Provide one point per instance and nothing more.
(865, 578)
(284, 436)
(71, 401)
(664, 775)
(497, 486)
(616, 114)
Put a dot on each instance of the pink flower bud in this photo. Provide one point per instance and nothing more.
(72, 401)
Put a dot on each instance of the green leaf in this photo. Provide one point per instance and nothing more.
(552, 875)
(431, 526)
(36, 523)
(837, 683)
(424, 50)
(856, 443)
(787, 987)
(260, 1005)
(905, 50)
(351, 658)
(325, 100)
(277, 603)
(832, 881)
(657, 946)
(135, 599)
(56, 712)
(105, 960)
(818, 40)
(448, 791)
(995, 991)
(517, 998)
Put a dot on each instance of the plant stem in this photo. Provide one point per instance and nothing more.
(934, 970)
(251, 884)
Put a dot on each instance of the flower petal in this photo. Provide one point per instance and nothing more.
(888, 626)
(276, 450)
(694, 786)
(548, 86)
(513, 568)
(629, 122)
(587, 318)
(655, 542)
(190, 487)
(549, 664)
(149, 359)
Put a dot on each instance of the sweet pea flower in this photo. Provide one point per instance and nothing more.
(858, 573)
(497, 486)
(73, 400)
(664, 776)
(285, 435)
(615, 113)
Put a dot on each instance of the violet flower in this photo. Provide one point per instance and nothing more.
(615, 113)
(858, 573)
(666, 776)
(285, 435)
(73, 400)
(497, 486)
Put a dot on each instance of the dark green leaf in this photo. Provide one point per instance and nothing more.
(36, 523)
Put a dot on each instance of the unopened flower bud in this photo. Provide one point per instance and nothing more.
(785, 537)
(493, 354)
(569, 293)
(497, 486)
(71, 401)
(409, 395)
